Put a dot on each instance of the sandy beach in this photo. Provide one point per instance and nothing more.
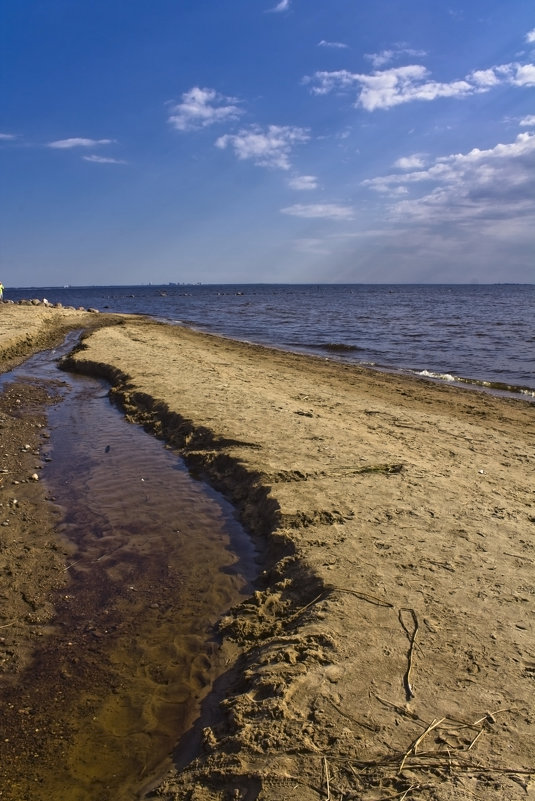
(388, 650)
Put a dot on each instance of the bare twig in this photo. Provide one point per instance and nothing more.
(401, 710)
(412, 639)
(71, 565)
(409, 790)
(403, 794)
(417, 742)
(313, 601)
(363, 596)
(489, 716)
(327, 784)
(474, 741)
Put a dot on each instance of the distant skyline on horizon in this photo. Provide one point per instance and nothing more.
(252, 142)
(267, 283)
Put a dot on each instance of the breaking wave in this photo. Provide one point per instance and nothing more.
(498, 386)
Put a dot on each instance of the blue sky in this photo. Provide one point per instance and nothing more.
(242, 140)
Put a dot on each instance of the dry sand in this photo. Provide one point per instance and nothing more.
(388, 651)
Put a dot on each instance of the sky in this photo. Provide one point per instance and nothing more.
(286, 141)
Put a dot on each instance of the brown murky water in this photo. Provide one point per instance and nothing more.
(155, 558)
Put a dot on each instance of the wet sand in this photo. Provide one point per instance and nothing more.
(388, 651)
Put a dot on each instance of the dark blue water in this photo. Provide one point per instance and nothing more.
(482, 334)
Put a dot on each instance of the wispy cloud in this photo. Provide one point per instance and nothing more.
(102, 160)
(67, 144)
(387, 88)
(530, 36)
(202, 107)
(528, 122)
(7, 137)
(335, 45)
(497, 184)
(284, 5)
(387, 56)
(266, 148)
(303, 182)
(414, 162)
(326, 211)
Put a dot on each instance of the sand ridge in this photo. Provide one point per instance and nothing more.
(388, 649)
(389, 646)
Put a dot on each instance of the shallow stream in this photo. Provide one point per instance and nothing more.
(155, 558)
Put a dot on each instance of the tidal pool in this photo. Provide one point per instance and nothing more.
(155, 558)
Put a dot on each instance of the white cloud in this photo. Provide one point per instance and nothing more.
(266, 148)
(67, 144)
(524, 75)
(335, 45)
(403, 84)
(484, 78)
(414, 162)
(496, 185)
(202, 107)
(284, 5)
(514, 74)
(528, 122)
(102, 160)
(327, 211)
(384, 89)
(325, 82)
(380, 59)
(530, 37)
(7, 137)
(386, 56)
(303, 182)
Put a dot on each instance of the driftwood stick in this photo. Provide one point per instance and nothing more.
(327, 783)
(411, 635)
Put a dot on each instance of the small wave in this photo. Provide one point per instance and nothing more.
(441, 376)
(499, 386)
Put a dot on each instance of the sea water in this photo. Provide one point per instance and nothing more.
(482, 335)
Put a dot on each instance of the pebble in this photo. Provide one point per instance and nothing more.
(34, 477)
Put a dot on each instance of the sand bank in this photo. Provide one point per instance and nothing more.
(390, 643)
(26, 328)
(388, 651)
